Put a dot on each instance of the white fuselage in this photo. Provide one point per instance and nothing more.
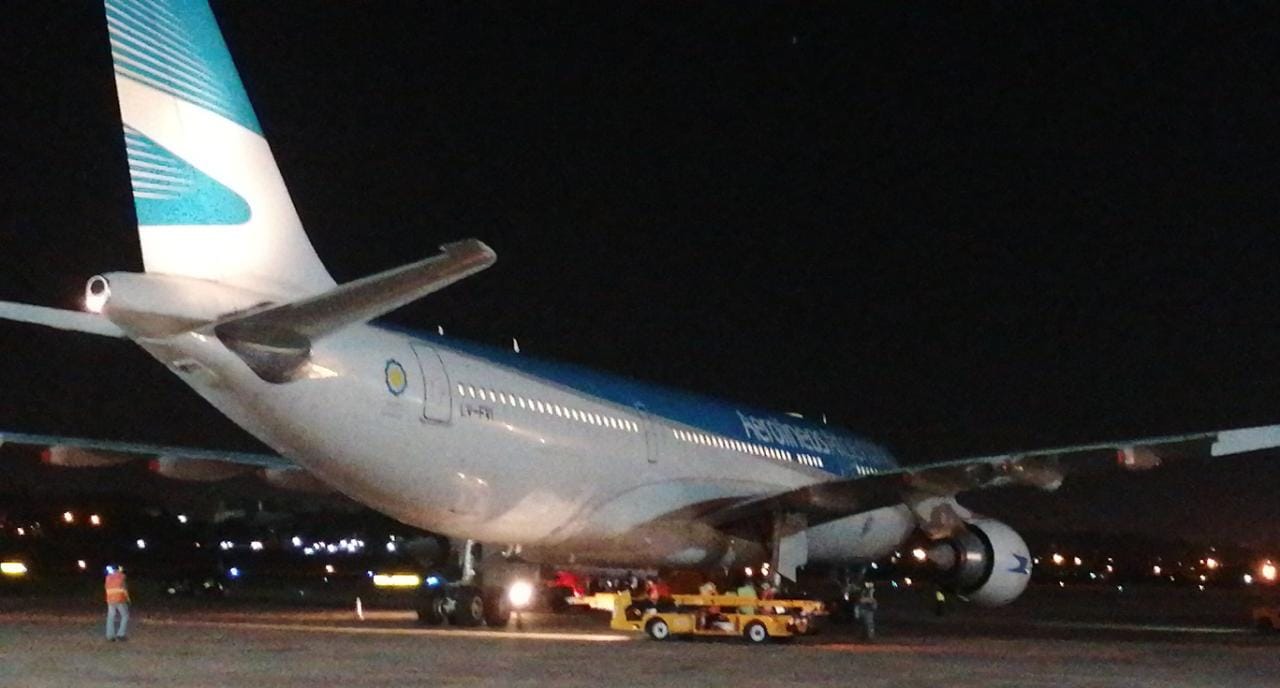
(450, 440)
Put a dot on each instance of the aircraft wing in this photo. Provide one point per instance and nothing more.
(142, 450)
(1045, 469)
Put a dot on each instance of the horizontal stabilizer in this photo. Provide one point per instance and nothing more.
(76, 321)
(275, 341)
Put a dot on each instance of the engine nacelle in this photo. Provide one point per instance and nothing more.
(988, 562)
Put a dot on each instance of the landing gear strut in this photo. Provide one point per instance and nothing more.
(470, 601)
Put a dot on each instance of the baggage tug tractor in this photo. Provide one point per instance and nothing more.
(757, 620)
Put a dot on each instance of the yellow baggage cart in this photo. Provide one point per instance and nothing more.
(756, 620)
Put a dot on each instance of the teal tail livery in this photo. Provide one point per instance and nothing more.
(210, 201)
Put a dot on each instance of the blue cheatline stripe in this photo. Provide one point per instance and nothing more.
(175, 46)
(169, 191)
(709, 415)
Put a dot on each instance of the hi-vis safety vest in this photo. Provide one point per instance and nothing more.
(116, 592)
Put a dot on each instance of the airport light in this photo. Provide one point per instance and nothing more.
(68, 517)
(1211, 563)
(906, 582)
(308, 551)
(520, 594)
(1268, 571)
(1077, 561)
(297, 541)
(1058, 559)
(182, 518)
(1111, 569)
(1248, 579)
(95, 520)
(142, 544)
(82, 564)
(328, 568)
(233, 572)
(13, 568)
(1156, 570)
(919, 554)
(256, 545)
(391, 546)
(396, 580)
(22, 531)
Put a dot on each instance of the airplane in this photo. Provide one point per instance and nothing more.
(518, 462)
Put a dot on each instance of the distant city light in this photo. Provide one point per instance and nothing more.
(331, 549)
(1077, 561)
(68, 517)
(297, 541)
(1211, 563)
(1156, 570)
(256, 545)
(1111, 569)
(95, 520)
(328, 568)
(1268, 572)
(182, 518)
(142, 544)
(391, 546)
(1058, 559)
(82, 564)
(13, 568)
(226, 544)
(906, 582)
(919, 554)
(308, 551)
(22, 531)
(1061, 584)
(1203, 578)
(233, 572)
(1248, 579)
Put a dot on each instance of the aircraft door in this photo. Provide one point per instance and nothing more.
(646, 428)
(437, 395)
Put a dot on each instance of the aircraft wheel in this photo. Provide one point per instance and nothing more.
(756, 633)
(497, 610)
(658, 629)
(431, 609)
(468, 608)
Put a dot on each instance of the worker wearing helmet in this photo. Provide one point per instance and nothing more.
(117, 603)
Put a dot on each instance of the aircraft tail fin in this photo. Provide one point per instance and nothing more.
(209, 197)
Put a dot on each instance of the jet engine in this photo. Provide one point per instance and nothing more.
(987, 562)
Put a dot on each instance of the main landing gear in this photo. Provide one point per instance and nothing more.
(476, 598)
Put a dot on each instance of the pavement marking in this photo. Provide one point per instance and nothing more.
(1157, 628)
(357, 630)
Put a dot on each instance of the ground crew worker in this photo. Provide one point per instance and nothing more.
(117, 603)
(747, 589)
(867, 611)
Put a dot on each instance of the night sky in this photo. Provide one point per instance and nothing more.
(957, 231)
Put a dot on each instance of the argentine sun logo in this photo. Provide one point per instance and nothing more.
(395, 376)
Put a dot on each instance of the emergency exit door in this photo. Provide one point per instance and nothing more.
(437, 395)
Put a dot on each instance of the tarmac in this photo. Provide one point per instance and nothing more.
(59, 643)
